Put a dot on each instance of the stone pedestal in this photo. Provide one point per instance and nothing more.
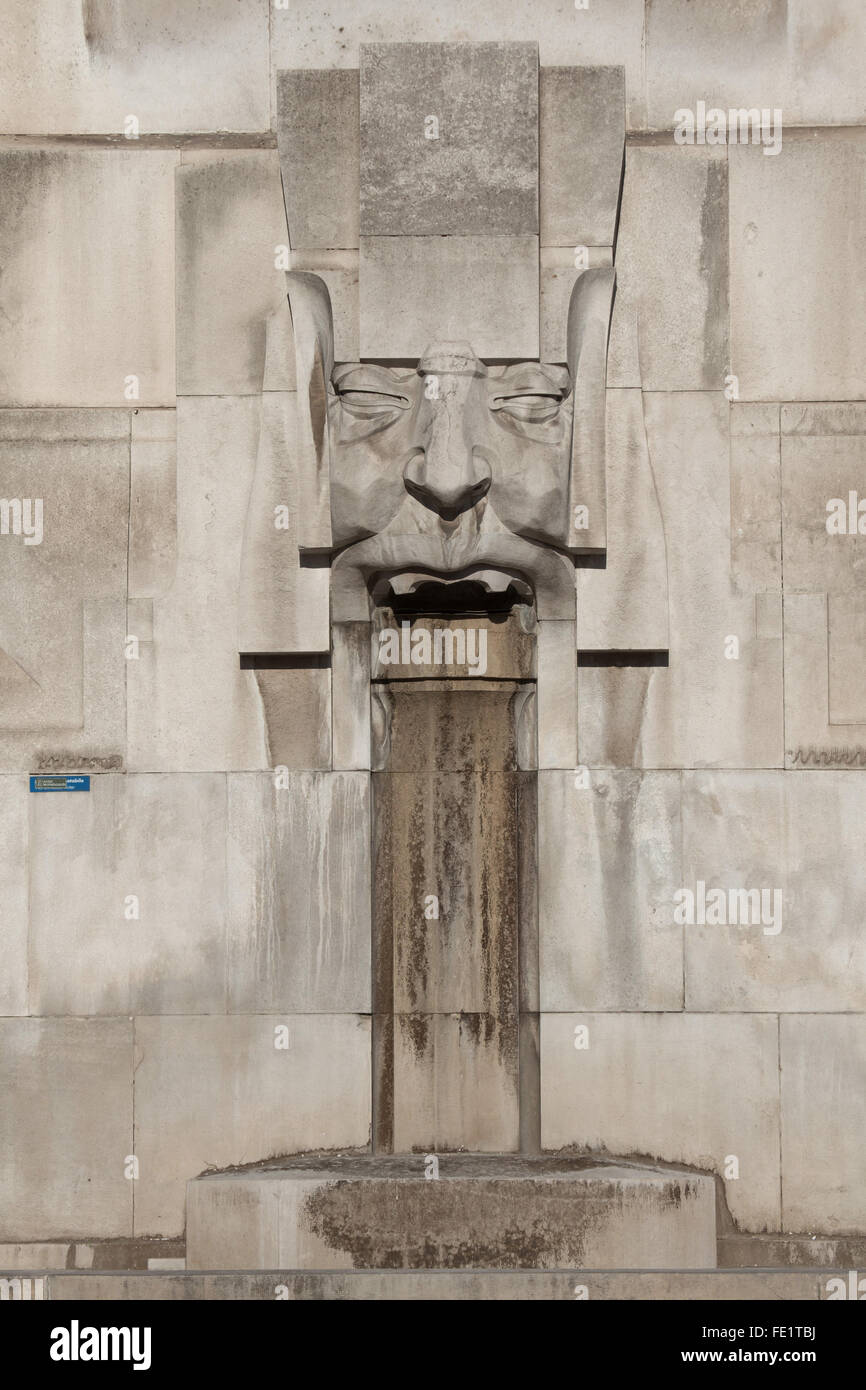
(482, 1212)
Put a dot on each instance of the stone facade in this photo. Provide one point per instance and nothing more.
(189, 950)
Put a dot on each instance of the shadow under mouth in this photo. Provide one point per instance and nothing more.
(488, 593)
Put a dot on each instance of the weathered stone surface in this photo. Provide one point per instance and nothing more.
(784, 54)
(152, 503)
(212, 1092)
(519, 1213)
(230, 277)
(709, 1285)
(798, 240)
(298, 876)
(823, 1058)
(581, 140)
(706, 709)
(558, 276)
(683, 1088)
(822, 451)
(352, 696)
(472, 173)
(795, 833)
(78, 328)
(283, 604)
(496, 648)
(174, 68)
(452, 837)
(624, 606)
(14, 871)
(114, 873)
(67, 1105)
(455, 1083)
(556, 694)
(308, 37)
(296, 706)
(318, 136)
(191, 707)
(608, 852)
(672, 264)
(822, 474)
(419, 290)
(62, 668)
(756, 523)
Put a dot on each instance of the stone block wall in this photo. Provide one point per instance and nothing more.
(185, 975)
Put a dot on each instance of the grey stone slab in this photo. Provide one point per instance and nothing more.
(707, 1285)
(174, 67)
(846, 630)
(79, 327)
(455, 1083)
(682, 1088)
(798, 241)
(416, 291)
(473, 173)
(351, 659)
(705, 709)
(309, 37)
(811, 740)
(672, 265)
(67, 1103)
(191, 708)
(581, 142)
(625, 606)
(298, 861)
(14, 868)
(782, 53)
(823, 458)
(756, 523)
(153, 502)
(231, 224)
(608, 852)
(296, 708)
(214, 1092)
(318, 136)
(556, 694)
(113, 875)
(797, 835)
(282, 604)
(823, 1060)
(372, 1211)
(62, 669)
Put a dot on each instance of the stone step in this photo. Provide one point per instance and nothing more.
(481, 1212)
(482, 1285)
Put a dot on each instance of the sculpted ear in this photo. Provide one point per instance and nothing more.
(589, 316)
(313, 330)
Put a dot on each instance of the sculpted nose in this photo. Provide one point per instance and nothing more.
(449, 476)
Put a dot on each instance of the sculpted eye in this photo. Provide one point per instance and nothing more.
(371, 400)
(529, 405)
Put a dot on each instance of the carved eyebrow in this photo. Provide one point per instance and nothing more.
(533, 378)
(360, 376)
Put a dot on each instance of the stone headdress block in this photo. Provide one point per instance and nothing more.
(479, 289)
(449, 139)
(318, 137)
(581, 144)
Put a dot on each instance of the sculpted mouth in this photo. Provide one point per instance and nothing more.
(470, 592)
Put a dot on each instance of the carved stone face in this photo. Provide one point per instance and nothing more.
(453, 454)
(451, 472)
